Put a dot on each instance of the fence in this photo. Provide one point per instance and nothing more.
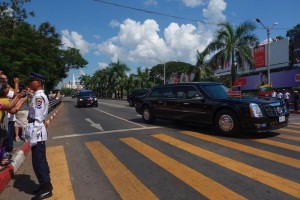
(53, 104)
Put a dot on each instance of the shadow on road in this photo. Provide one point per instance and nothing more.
(24, 183)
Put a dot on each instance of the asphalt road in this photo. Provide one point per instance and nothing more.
(109, 153)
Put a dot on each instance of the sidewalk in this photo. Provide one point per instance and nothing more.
(19, 156)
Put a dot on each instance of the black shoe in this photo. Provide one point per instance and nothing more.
(37, 190)
(42, 195)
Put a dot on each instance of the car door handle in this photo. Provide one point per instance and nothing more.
(160, 102)
(186, 103)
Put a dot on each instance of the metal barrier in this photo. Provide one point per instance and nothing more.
(53, 104)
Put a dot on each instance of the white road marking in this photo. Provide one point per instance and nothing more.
(104, 132)
(114, 105)
(119, 117)
(93, 124)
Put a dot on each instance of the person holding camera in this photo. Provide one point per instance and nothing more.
(10, 106)
(37, 136)
(21, 118)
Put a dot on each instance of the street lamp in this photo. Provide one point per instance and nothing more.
(268, 28)
(164, 62)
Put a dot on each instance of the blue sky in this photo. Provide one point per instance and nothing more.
(104, 33)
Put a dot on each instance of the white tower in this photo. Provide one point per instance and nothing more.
(73, 84)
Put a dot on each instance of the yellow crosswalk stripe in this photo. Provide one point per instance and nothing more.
(201, 183)
(60, 178)
(279, 144)
(247, 149)
(291, 126)
(127, 185)
(279, 183)
(296, 138)
(297, 123)
(289, 130)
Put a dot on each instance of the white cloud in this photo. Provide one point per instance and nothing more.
(193, 3)
(73, 39)
(150, 3)
(143, 43)
(114, 23)
(102, 65)
(214, 11)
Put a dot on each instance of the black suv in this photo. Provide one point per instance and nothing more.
(132, 97)
(209, 102)
(86, 98)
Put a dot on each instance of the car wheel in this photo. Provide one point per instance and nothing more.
(227, 123)
(147, 115)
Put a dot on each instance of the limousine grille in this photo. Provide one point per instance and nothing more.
(275, 110)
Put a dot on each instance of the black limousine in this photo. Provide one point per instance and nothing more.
(209, 103)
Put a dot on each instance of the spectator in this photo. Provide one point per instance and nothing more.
(286, 97)
(9, 141)
(274, 94)
(296, 100)
(279, 95)
(21, 120)
(11, 107)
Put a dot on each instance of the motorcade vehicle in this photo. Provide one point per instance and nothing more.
(210, 103)
(86, 98)
(131, 98)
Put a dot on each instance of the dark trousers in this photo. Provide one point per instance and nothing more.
(40, 164)
(287, 103)
(11, 134)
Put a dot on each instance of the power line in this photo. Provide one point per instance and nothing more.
(156, 13)
(171, 16)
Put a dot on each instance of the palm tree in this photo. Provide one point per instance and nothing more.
(233, 45)
(118, 77)
(201, 63)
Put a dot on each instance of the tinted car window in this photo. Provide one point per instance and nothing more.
(216, 91)
(191, 92)
(180, 93)
(155, 93)
(86, 93)
(168, 92)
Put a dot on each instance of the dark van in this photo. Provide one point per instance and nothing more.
(209, 103)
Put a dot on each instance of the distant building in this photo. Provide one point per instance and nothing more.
(73, 84)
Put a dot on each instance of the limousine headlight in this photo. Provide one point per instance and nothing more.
(255, 110)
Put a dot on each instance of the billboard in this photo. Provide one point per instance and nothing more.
(296, 53)
(283, 79)
(279, 58)
(259, 55)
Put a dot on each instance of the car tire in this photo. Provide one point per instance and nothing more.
(147, 115)
(227, 123)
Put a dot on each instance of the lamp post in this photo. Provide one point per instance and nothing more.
(268, 28)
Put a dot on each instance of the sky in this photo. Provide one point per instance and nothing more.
(105, 33)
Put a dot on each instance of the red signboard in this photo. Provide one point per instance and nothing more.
(259, 56)
(297, 77)
(241, 81)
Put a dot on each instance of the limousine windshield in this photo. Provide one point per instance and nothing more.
(217, 91)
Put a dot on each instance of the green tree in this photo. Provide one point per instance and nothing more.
(25, 48)
(118, 77)
(233, 45)
(290, 34)
(203, 71)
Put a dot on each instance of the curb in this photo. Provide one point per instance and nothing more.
(19, 157)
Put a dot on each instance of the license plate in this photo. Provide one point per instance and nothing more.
(282, 119)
